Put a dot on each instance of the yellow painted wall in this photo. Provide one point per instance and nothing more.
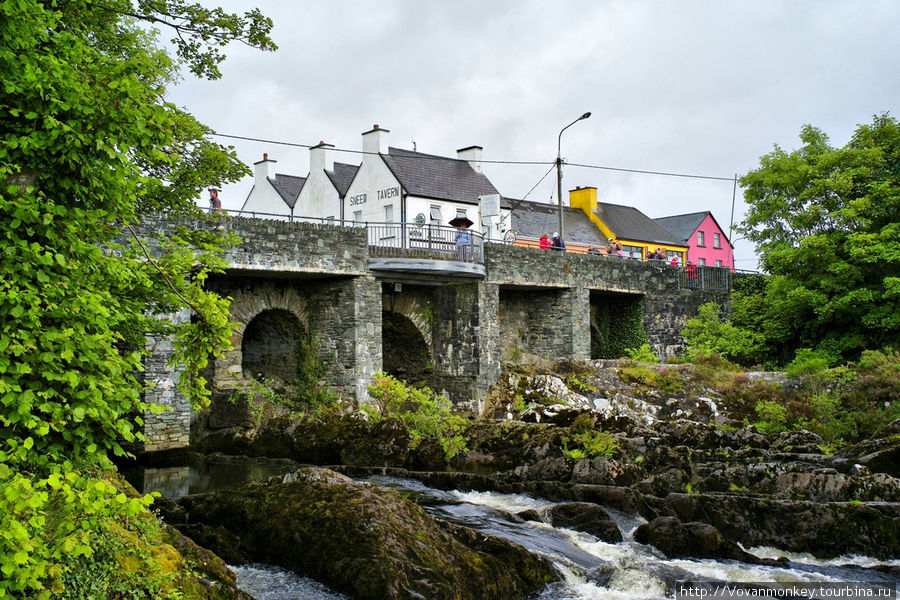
(586, 200)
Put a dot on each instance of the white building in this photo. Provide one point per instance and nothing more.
(397, 186)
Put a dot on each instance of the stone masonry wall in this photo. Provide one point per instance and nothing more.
(270, 245)
(169, 429)
(666, 304)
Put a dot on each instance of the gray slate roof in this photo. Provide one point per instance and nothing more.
(629, 223)
(288, 187)
(341, 177)
(532, 219)
(683, 226)
(438, 177)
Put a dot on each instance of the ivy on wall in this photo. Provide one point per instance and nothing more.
(616, 325)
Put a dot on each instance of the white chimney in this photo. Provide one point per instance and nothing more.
(320, 159)
(373, 141)
(471, 154)
(264, 169)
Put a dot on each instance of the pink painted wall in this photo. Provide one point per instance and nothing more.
(708, 251)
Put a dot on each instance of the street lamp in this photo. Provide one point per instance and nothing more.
(559, 170)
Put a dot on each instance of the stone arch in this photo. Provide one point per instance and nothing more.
(247, 301)
(416, 308)
(406, 354)
(406, 332)
(271, 345)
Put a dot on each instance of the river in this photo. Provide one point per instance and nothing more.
(591, 569)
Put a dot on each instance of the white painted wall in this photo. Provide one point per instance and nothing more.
(319, 197)
(263, 197)
(372, 188)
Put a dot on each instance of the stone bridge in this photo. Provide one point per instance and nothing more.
(414, 317)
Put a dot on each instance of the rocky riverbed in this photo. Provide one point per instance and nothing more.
(678, 457)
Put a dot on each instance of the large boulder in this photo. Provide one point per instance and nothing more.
(363, 540)
(586, 517)
(694, 540)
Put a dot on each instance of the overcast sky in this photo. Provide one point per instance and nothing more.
(701, 88)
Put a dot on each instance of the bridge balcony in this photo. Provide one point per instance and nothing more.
(424, 250)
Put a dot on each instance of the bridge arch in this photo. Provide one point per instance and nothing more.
(271, 346)
(406, 331)
(265, 312)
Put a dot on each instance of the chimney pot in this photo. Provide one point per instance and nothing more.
(265, 156)
(375, 126)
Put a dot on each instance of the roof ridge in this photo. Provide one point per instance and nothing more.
(416, 152)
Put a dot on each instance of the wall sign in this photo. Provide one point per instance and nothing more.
(386, 193)
(420, 219)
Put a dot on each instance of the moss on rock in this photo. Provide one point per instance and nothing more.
(366, 541)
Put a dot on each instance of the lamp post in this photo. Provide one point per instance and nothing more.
(559, 170)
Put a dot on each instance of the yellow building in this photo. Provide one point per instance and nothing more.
(638, 234)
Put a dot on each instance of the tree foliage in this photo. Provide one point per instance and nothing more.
(88, 144)
(826, 224)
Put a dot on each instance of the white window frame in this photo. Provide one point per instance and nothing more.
(717, 240)
(701, 241)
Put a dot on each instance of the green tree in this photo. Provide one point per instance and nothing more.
(708, 334)
(88, 145)
(826, 224)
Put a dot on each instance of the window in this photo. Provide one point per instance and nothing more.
(717, 240)
(388, 218)
(700, 241)
(701, 262)
(636, 252)
(357, 216)
(461, 212)
(718, 263)
(436, 217)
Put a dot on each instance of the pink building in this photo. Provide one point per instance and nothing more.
(706, 241)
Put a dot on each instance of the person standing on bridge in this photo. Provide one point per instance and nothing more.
(558, 242)
(545, 241)
(463, 241)
(215, 205)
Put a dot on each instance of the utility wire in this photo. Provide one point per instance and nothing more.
(496, 162)
(514, 206)
(641, 171)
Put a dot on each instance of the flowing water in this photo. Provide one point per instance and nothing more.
(591, 569)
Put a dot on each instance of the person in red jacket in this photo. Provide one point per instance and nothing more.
(545, 241)
(691, 269)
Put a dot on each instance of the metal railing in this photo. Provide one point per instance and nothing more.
(405, 240)
(425, 241)
(717, 279)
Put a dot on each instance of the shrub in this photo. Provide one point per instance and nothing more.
(574, 383)
(424, 413)
(809, 362)
(590, 442)
(662, 378)
(643, 354)
(772, 417)
(707, 334)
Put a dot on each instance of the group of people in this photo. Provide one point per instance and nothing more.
(658, 254)
(554, 243)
